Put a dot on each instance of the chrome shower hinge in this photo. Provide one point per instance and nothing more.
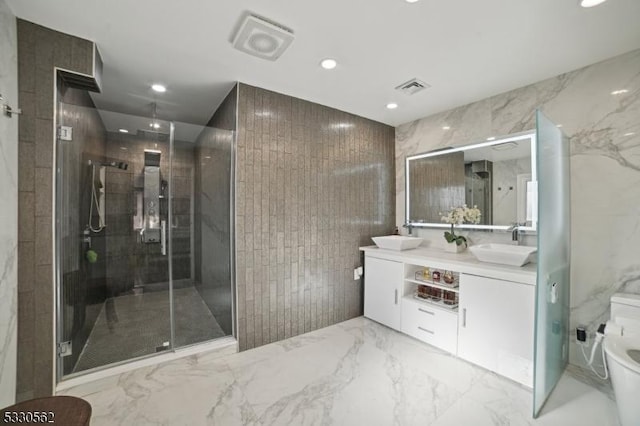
(64, 348)
(65, 133)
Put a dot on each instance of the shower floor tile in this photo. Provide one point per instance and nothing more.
(135, 325)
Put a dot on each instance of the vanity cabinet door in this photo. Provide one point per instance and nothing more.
(382, 282)
(496, 326)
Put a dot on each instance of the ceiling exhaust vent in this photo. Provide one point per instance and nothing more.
(412, 86)
(259, 37)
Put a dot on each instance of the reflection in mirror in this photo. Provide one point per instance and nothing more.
(498, 177)
(437, 185)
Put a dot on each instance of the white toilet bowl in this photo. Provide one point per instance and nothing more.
(622, 349)
(623, 360)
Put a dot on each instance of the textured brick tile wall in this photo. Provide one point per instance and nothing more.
(312, 185)
(39, 51)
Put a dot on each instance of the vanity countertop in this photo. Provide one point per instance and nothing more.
(461, 262)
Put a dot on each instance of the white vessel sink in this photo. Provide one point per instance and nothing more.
(504, 254)
(397, 242)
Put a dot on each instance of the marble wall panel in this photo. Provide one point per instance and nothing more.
(8, 208)
(604, 132)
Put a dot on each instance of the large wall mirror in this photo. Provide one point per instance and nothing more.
(498, 176)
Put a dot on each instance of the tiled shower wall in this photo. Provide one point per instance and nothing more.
(213, 214)
(39, 51)
(131, 263)
(312, 185)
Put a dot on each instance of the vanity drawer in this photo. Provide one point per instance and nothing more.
(431, 325)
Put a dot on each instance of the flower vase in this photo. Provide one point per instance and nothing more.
(454, 248)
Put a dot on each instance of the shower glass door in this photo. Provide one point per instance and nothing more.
(202, 233)
(114, 183)
(554, 231)
(144, 212)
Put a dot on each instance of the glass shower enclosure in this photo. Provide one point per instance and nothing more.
(143, 235)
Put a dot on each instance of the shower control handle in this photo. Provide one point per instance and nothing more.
(163, 237)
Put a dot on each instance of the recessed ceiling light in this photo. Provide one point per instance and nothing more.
(392, 105)
(123, 130)
(446, 127)
(124, 148)
(629, 134)
(158, 88)
(558, 125)
(411, 1)
(591, 3)
(328, 64)
(619, 92)
(492, 138)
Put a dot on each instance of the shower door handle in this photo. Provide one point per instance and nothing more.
(163, 237)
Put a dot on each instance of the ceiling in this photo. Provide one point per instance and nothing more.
(465, 49)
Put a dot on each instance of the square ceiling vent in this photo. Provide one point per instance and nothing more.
(412, 86)
(261, 38)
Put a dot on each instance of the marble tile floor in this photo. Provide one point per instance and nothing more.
(353, 373)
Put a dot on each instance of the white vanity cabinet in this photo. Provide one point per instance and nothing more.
(482, 312)
(495, 328)
(383, 283)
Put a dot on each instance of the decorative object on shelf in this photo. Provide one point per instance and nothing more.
(435, 294)
(426, 274)
(443, 298)
(435, 276)
(459, 215)
(448, 277)
(423, 291)
(450, 298)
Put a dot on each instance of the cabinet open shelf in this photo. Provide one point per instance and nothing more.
(433, 284)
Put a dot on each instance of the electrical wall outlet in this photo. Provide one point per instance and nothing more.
(582, 335)
(357, 273)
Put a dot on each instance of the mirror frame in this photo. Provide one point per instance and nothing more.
(528, 135)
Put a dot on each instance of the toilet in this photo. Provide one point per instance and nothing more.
(622, 348)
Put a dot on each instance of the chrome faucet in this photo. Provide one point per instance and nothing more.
(409, 227)
(515, 231)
